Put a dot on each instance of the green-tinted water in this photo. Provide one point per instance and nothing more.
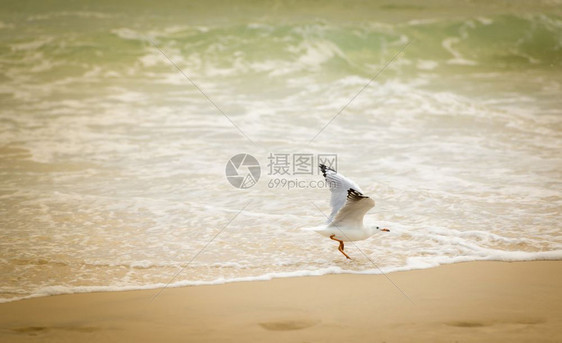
(112, 162)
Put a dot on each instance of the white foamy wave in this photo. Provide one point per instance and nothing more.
(413, 263)
(458, 58)
(113, 162)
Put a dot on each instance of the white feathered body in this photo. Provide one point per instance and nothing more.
(345, 234)
(349, 206)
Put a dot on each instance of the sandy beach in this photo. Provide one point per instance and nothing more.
(466, 302)
(203, 143)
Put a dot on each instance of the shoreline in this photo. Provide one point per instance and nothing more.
(469, 301)
(264, 278)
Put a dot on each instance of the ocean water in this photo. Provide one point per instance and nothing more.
(112, 163)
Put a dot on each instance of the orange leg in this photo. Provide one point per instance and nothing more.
(340, 248)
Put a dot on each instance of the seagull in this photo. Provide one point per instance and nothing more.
(349, 206)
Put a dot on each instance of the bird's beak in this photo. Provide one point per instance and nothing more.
(385, 230)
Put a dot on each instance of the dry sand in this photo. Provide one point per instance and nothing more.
(466, 302)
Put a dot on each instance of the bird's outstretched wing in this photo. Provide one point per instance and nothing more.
(351, 215)
(339, 185)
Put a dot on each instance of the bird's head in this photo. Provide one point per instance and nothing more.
(383, 229)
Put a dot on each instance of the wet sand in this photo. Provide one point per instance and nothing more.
(465, 302)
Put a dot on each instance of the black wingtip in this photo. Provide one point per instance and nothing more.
(323, 168)
(353, 194)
